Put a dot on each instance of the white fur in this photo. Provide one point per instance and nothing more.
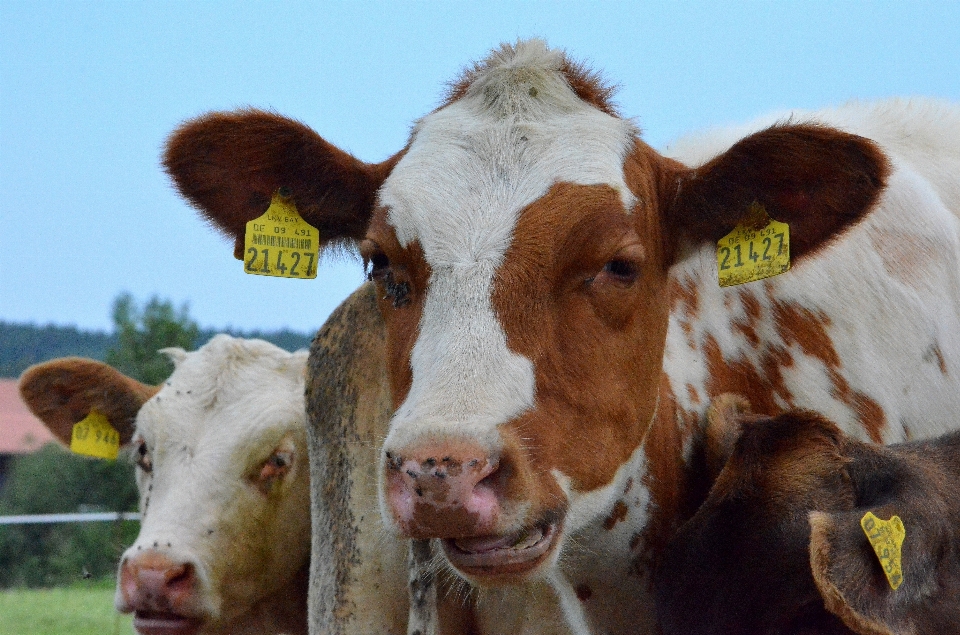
(488, 156)
(895, 305)
(222, 413)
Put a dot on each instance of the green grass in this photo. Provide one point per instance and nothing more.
(85, 608)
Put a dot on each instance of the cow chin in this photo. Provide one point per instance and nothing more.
(158, 623)
(506, 558)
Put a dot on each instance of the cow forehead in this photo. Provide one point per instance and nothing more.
(229, 390)
(473, 165)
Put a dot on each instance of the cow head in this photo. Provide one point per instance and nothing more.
(522, 243)
(778, 544)
(222, 471)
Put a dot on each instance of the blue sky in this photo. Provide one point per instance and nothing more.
(89, 91)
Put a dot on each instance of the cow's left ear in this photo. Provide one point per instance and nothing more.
(63, 391)
(816, 179)
(229, 164)
(851, 578)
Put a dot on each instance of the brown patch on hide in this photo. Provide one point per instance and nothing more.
(618, 513)
(938, 354)
(747, 325)
(904, 254)
(666, 479)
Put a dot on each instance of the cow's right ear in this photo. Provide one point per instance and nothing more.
(850, 576)
(63, 391)
(229, 164)
(816, 179)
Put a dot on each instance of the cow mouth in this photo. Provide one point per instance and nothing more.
(512, 554)
(156, 623)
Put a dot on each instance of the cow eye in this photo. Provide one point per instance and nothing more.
(143, 457)
(273, 469)
(621, 270)
(378, 269)
(379, 266)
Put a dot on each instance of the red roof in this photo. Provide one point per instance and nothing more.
(20, 431)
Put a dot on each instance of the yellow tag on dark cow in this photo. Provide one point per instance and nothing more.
(757, 248)
(94, 436)
(886, 538)
(280, 243)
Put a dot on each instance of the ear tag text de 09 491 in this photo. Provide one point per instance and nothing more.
(94, 436)
(757, 248)
(886, 538)
(280, 243)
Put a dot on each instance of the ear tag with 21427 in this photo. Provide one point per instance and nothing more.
(94, 436)
(757, 248)
(280, 243)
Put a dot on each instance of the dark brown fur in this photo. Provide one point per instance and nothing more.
(742, 564)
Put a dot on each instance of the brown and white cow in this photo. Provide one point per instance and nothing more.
(778, 546)
(221, 449)
(554, 324)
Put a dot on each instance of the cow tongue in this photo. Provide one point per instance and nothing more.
(519, 540)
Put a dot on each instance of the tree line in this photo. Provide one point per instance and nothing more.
(22, 345)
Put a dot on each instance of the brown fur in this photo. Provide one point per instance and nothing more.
(814, 178)
(64, 391)
(750, 561)
(228, 165)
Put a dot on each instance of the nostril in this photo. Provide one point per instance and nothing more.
(496, 479)
(181, 578)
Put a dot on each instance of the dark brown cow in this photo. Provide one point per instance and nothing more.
(548, 284)
(778, 546)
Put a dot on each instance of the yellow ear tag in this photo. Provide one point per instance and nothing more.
(280, 243)
(94, 436)
(886, 537)
(757, 248)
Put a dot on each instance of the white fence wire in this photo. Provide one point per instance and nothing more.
(29, 519)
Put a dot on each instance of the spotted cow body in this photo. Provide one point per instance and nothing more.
(554, 324)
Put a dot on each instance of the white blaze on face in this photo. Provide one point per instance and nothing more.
(227, 408)
(458, 191)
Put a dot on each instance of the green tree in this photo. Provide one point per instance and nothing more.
(140, 333)
(53, 480)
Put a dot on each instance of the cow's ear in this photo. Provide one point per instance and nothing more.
(723, 427)
(851, 578)
(229, 164)
(64, 391)
(816, 179)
